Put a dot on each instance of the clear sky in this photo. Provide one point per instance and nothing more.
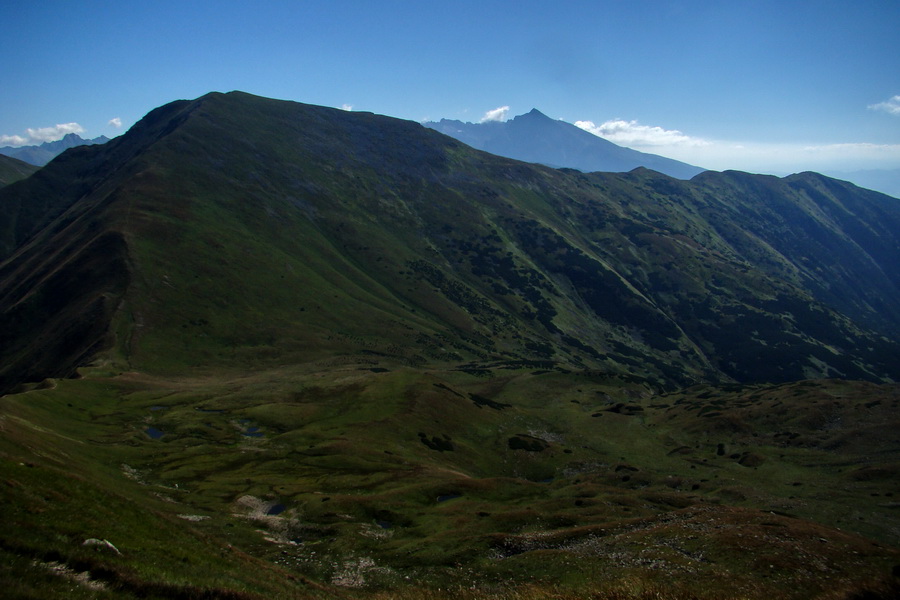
(767, 86)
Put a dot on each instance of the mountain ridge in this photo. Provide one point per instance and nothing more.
(540, 247)
(886, 181)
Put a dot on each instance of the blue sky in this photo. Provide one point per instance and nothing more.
(754, 85)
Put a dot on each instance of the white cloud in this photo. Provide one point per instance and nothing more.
(743, 155)
(51, 134)
(631, 133)
(856, 147)
(40, 135)
(892, 106)
(12, 140)
(115, 122)
(347, 107)
(498, 114)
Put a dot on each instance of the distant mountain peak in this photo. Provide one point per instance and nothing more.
(532, 116)
(40, 155)
(535, 137)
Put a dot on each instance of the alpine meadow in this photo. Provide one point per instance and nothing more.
(254, 348)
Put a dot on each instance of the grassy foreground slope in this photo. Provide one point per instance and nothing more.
(334, 482)
(258, 349)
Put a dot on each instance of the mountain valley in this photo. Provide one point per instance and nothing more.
(256, 348)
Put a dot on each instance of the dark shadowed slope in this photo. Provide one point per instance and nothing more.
(836, 240)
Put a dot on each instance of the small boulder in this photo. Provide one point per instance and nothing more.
(102, 544)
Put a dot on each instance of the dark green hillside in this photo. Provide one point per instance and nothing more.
(12, 169)
(315, 231)
(836, 240)
(260, 349)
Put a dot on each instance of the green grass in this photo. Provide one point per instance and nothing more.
(437, 370)
(639, 496)
(12, 169)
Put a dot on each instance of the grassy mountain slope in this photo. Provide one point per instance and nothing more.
(12, 169)
(838, 240)
(300, 352)
(322, 481)
(322, 232)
